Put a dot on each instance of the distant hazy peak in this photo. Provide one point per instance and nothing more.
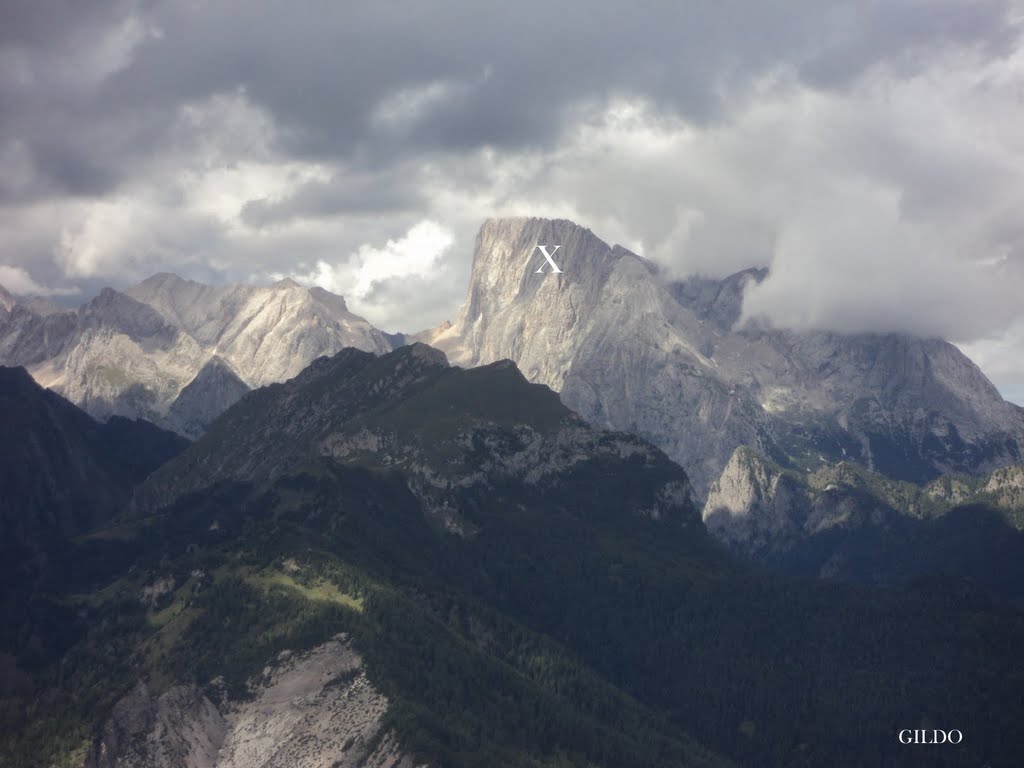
(215, 388)
(177, 297)
(166, 279)
(130, 315)
(719, 300)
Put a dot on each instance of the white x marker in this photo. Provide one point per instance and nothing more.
(544, 250)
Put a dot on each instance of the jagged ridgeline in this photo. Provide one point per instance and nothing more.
(496, 581)
(177, 352)
(624, 346)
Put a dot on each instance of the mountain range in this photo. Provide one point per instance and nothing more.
(176, 352)
(390, 561)
(624, 346)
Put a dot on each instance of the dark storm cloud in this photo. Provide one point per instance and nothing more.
(45, 22)
(69, 169)
(514, 72)
(390, 191)
(241, 139)
(903, 34)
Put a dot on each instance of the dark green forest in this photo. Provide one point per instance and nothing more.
(558, 635)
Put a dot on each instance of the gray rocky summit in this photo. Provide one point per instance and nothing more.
(177, 352)
(629, 349)
(266, 334)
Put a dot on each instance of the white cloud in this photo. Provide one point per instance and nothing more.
(18, 281)
(107, 236)
(223, 191)
(415, 254)
(414, 258)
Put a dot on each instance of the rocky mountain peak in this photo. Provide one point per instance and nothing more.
(136, 352)
(509, 267)
(518, 307)
(606, 334)
(752, 505)
(267, 334)
(112, 308)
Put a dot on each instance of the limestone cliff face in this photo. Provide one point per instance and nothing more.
(177, 352)
(315, 709)
(1008, 480)
(606, 334)
(764, 512)
(630, 351)
(754, 507)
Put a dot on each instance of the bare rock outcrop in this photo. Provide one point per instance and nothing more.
(311, 710)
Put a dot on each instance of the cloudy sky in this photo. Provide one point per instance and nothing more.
(871, 152)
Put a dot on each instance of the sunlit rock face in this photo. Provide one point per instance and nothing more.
(178, 352)
(628, 349)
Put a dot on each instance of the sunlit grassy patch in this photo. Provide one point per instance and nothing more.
(319, 590)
